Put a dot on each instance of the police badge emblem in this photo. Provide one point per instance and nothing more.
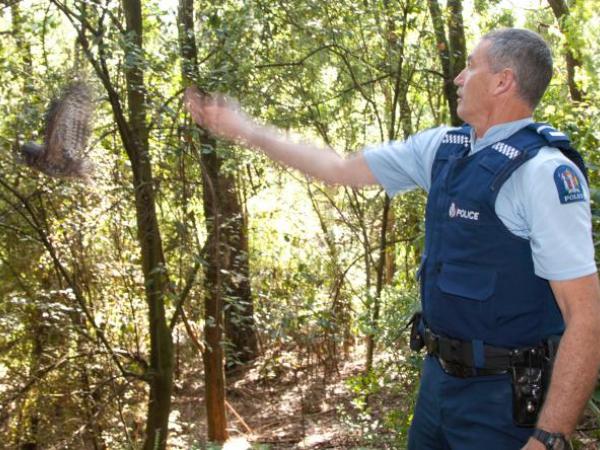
(568, 184)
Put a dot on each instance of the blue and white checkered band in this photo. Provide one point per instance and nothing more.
(460, 139)
(506, 150)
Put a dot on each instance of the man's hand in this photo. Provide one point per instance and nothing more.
(533, 444)
(218, 114)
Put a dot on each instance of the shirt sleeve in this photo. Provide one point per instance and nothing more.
(402, 166)
(556, 207)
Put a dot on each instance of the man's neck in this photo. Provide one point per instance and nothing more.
(503, 114)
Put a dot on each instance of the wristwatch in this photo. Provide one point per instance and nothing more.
(552, 441)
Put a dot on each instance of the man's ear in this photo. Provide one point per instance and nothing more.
(505, 81)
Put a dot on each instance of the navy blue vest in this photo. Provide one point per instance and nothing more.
(477, 278)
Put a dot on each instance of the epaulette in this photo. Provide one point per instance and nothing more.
(549, 133)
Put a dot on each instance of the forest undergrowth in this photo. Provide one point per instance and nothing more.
(286, 401)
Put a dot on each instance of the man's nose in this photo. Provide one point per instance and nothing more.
(459, 78)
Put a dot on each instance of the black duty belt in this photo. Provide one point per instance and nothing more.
(456, 356)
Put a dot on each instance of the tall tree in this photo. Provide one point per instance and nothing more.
(153, 261)
(561, 12)
(240, 326)
(396, 30)
(451, 51)
(238, 305)
(133, 130)
(213, 356)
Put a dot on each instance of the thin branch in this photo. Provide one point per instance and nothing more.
(189, 283)
(175, 96)
(299, 62)
(31, 218)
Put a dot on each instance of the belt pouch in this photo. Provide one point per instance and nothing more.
(416, 338)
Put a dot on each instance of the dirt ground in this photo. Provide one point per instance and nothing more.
(282, 405)
(286, 405)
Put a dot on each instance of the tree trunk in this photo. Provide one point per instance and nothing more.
(452, 55)
(561, 12)
(380, 280)
(456, 39)
(154, 270)
(400, 92)
(213, 304)
(134, 135)
(239, 313)
(213, 357)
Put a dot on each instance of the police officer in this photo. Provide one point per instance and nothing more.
(509, 258)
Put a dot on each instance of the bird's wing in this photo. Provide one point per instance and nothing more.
(68, 127)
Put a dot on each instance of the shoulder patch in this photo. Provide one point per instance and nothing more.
(568, 184)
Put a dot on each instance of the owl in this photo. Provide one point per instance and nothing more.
(67, 132)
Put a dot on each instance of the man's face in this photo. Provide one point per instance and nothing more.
(475, 84)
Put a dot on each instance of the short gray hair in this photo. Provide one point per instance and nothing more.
(527, 54)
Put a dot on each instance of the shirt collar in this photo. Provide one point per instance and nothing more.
(497, 133)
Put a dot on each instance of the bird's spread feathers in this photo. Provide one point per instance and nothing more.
(68, 129)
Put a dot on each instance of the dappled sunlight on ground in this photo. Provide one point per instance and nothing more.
(237, 443)
(289, 404)
(315, 439)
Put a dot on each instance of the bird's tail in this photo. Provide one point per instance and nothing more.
(83, 170)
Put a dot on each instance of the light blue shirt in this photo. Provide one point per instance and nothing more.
(528, 203)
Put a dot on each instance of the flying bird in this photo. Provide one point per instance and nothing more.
(67, 132)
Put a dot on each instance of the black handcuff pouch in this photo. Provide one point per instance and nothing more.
(531, 370)
(417, 342)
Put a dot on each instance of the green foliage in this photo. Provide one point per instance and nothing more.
(384, 398)
(344, 73)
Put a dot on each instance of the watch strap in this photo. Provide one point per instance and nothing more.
(549, 439)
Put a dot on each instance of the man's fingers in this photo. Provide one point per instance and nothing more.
(195, 101)
(192, 91)
(214, 112)
(193, 97)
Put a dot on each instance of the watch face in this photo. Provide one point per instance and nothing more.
(557, 443)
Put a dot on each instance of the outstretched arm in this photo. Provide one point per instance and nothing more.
(223, 118)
